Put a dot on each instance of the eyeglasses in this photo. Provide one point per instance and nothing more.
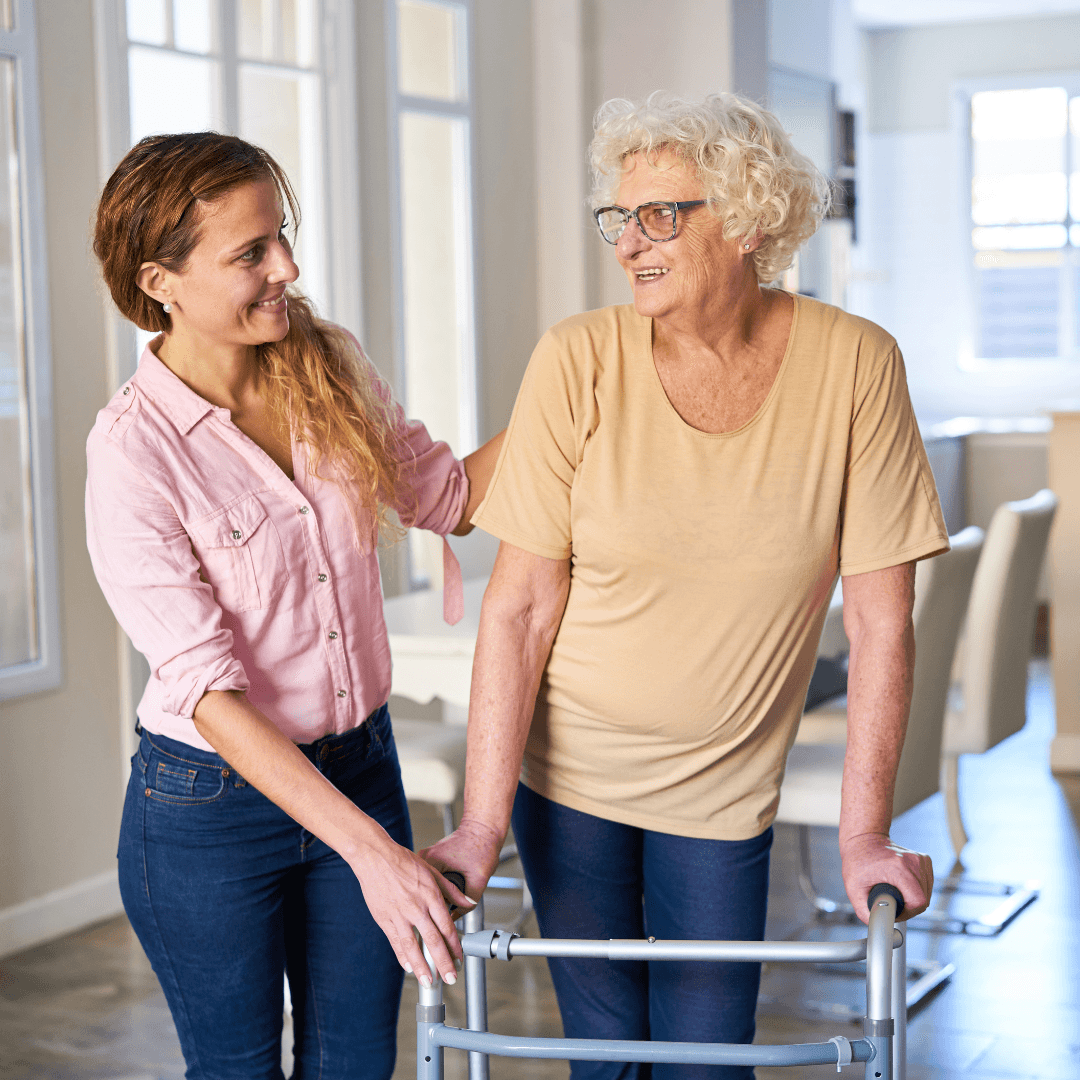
(658, 221)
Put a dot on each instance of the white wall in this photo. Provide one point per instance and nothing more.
(912, 272)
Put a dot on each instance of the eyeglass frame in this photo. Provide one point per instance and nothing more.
(674, 206)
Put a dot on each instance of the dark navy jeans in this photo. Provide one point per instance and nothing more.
(594, 878)
(226, 892)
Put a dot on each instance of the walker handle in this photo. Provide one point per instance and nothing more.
(885, 889)
(457, 879)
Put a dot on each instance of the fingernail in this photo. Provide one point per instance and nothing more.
(449, 978)
(425, 981)
(408, 968)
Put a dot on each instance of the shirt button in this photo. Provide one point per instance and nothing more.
(333, 635)
(322, 577)
(236, 534)
(303, 509)
(342, 693)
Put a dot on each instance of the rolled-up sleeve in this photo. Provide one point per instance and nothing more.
(150, 576)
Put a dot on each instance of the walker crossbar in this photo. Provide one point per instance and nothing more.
(681, 1053)
(485, 944)
(881, 1048)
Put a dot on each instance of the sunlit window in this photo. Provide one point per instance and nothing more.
(252, 67)
(29, 619)
(1025, 204)
(435, 230)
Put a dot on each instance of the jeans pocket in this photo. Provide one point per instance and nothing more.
(178, 783)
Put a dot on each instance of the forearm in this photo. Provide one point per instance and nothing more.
(879, 696)
(877, 618)
(479, 469)
(274, 765)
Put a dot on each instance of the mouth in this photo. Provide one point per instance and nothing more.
(274, 304)
(652, 273)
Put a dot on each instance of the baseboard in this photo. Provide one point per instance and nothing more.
(54, 914)
(1065, 753)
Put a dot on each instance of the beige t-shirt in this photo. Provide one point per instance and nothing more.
(701, 564)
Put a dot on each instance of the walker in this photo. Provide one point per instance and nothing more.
(882, 1047)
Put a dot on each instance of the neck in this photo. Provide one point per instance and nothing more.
(222, 374)
(722, 325)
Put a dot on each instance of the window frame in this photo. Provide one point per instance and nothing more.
(1046, 369)
(469, 404)
(46, 672)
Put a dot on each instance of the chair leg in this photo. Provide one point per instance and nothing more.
(950, 777)
(822, 904)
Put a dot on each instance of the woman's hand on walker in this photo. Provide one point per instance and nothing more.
(872, 857)
(404, 893)
(472, 849)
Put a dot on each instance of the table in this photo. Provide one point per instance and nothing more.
(434, 660)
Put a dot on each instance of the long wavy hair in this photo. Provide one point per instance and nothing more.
(318, 384)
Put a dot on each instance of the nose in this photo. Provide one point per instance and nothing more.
(284, 266)
(632, 242)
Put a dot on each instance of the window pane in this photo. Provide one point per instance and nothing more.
(170, 93)
(146, 21)
(279, 111)
(298, 32)
(1018, 312)
(18, 614)
(436, 270)
(255, 26)
(1019, 237)
(430, 37)
(1018, 156)
(191, 25)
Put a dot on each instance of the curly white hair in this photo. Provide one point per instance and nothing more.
(752, 175)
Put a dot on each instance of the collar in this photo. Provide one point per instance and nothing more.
(184, 407)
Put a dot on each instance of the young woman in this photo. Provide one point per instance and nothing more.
(236, 487)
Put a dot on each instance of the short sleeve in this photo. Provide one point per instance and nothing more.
(528, 500)
(890, 512)
(150, 576)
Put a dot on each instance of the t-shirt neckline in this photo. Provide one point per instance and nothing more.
(763, 408)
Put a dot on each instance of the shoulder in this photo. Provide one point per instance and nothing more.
(594, 342)
(841, 331)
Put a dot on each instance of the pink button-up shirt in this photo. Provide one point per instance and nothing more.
(226, 575)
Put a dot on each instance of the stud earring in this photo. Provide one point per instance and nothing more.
(746, 247)
(167, 308)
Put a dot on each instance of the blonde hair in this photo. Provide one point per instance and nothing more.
(753, 176)
(320, 386)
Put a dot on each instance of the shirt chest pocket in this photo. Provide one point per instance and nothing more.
(241, 556)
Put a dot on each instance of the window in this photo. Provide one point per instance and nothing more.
(29, 614)
(434, 241)
(1025, 221)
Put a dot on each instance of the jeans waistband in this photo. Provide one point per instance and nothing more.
(375, 728)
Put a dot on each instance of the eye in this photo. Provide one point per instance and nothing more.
(252, 255)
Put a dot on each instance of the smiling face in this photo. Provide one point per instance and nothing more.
(231, 293)
(687, 276)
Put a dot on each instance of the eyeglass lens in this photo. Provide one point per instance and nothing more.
(657, 222)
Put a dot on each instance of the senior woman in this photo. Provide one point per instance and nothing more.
(682, 481)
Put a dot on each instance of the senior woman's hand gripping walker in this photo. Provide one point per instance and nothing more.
(682, 481)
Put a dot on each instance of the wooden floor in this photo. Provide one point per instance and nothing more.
(87, 1006)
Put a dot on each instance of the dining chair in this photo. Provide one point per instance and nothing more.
(989, 701)
(810, 792)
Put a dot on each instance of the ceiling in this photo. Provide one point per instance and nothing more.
(890, 13)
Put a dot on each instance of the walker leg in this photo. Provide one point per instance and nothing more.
(430, 1012)
(476, 993)
(899, 1009)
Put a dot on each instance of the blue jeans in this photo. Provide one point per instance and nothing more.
(226, 892)
(594, 878)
